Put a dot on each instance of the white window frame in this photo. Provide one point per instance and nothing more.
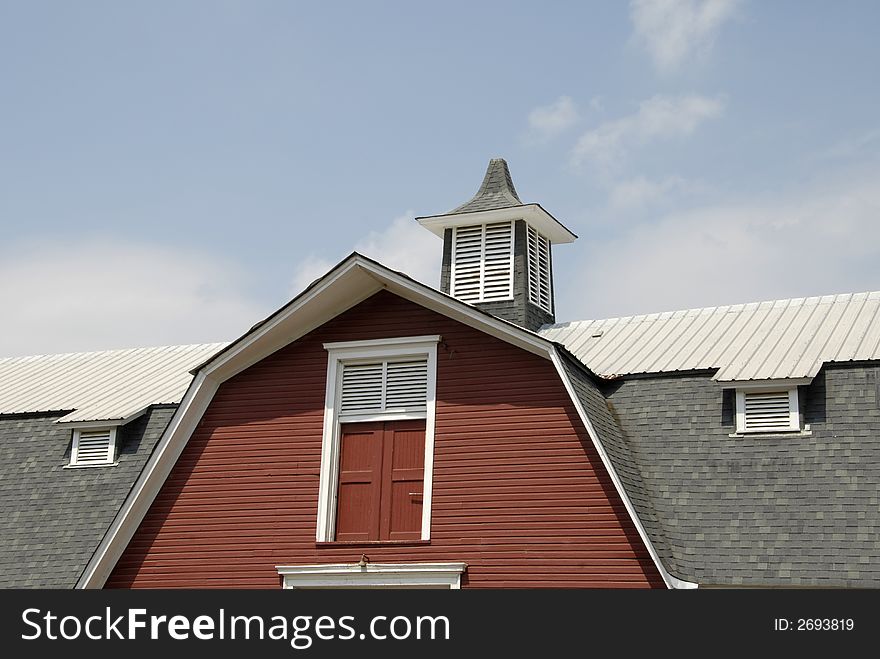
(794, 422)
(454, 266)
(373, 575)
(340, 353)
(74, 448)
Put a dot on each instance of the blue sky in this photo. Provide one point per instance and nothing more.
(170, 172)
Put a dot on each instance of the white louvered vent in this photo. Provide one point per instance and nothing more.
(384, 387)
(539, 271)
(767, 411)
(406, 385)
(94, 447)
(482, 262)
(362, 386)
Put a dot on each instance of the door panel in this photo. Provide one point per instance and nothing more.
(360, 475)
(381, 480)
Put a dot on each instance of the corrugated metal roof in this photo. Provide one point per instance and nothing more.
(99, 386)
(765, 340)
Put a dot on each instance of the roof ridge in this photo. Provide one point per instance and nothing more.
(112, 351)
(496, 191)
(721, 308)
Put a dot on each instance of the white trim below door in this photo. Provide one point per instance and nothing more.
(373, 575)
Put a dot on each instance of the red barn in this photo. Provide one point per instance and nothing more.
(377, 432)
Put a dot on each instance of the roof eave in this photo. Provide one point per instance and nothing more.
(534, 214)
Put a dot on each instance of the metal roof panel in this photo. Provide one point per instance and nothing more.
(757, 341)
(99, 386)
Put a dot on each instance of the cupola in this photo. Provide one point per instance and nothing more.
(497, 251)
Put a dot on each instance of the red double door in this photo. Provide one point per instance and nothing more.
(381, 480)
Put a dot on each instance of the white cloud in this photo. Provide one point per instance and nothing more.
(675, 31)
(808, 243)
(309, 269)
(103, 294)
(640, 193)
(548, 121)
(403, 245)
(660, 117)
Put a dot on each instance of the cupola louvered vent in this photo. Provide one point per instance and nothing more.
(95, 447)
(482, 262)
(539, 271)
(768, 411)
(384, 387)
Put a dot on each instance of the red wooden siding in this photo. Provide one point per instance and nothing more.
(520, 494)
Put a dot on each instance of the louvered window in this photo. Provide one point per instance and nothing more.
(93, 447)
(767, 411)
(482, 262)
(539, 271)
(384, 387)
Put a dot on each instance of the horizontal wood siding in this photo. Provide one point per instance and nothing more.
(520, 494)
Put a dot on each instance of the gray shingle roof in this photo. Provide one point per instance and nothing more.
(496, 191)
(51, 518)
(620, 451)
(790, 510)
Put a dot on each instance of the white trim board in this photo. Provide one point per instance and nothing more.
(534, 214)
(373, 575)
(765, 385)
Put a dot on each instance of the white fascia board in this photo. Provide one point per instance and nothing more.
(379, 343)
(298, 319)
(150, 481)
(777, 384)
(679, 584)
(90, 425)
(102, 423)
(543, 222)
(668, 579)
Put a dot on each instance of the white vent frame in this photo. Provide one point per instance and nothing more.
(539, 269)
(482, 288)
(373, 575)
(353, 352)
(792, 422)
(81, 436)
